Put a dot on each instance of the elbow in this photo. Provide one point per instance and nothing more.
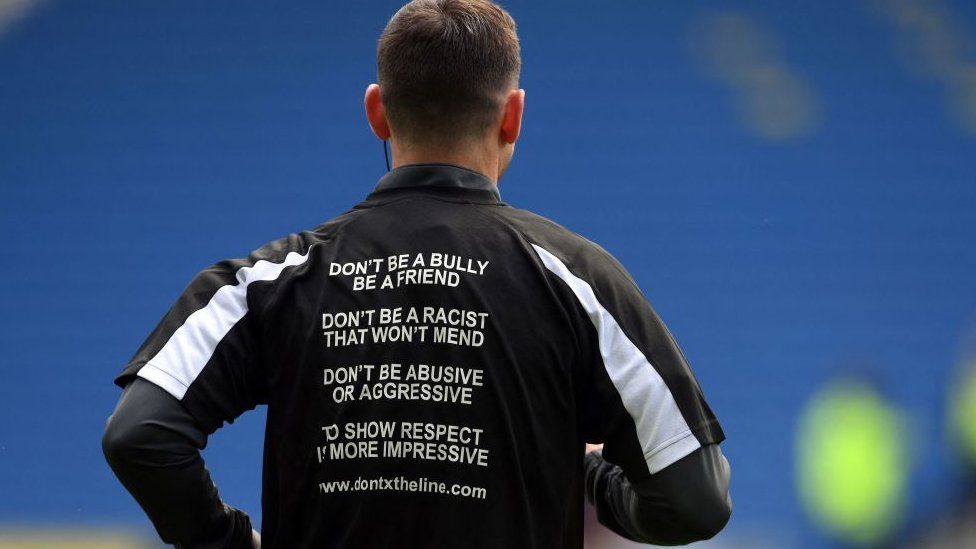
(686, 502)
(712, 510)
(120, 443)
(689, 525)
(707, 522)
(115, 444)
(696, 519)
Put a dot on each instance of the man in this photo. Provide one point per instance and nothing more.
(433, 360)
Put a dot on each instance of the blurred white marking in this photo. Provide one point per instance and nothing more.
(771, 99)
(934, 43)
(13, 12)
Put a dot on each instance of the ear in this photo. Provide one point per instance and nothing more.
(376, 112)
(512, 116)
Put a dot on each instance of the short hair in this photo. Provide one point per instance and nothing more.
(443, 66)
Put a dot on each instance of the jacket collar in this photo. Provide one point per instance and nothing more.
(441, 179)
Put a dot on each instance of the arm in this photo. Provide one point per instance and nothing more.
(664, 479)
(201, 367)
(684, 502)
(153, 445)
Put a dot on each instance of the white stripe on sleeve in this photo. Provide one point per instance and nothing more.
(192, 345)
(661, 429)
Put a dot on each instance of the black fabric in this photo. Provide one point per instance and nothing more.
(153, 445)
(418, 176)
(502, 372)
(617, 292)
(687, 501)
(197, 294)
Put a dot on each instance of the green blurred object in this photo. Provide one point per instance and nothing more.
(852, 464)
(963, 412)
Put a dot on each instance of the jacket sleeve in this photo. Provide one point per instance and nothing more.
(637, 396)
(207, 351)
(684, 502)
(153, 445)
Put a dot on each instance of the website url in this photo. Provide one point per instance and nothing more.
(403, 484)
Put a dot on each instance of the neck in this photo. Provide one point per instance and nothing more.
(479, 159)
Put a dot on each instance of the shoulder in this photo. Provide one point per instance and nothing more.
(558, 246)
(301, 243)
(271, 262)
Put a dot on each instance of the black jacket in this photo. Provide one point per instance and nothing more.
(433, 361)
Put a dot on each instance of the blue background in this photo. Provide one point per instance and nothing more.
(141, 142)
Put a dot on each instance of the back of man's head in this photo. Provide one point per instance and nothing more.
(444, 67)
